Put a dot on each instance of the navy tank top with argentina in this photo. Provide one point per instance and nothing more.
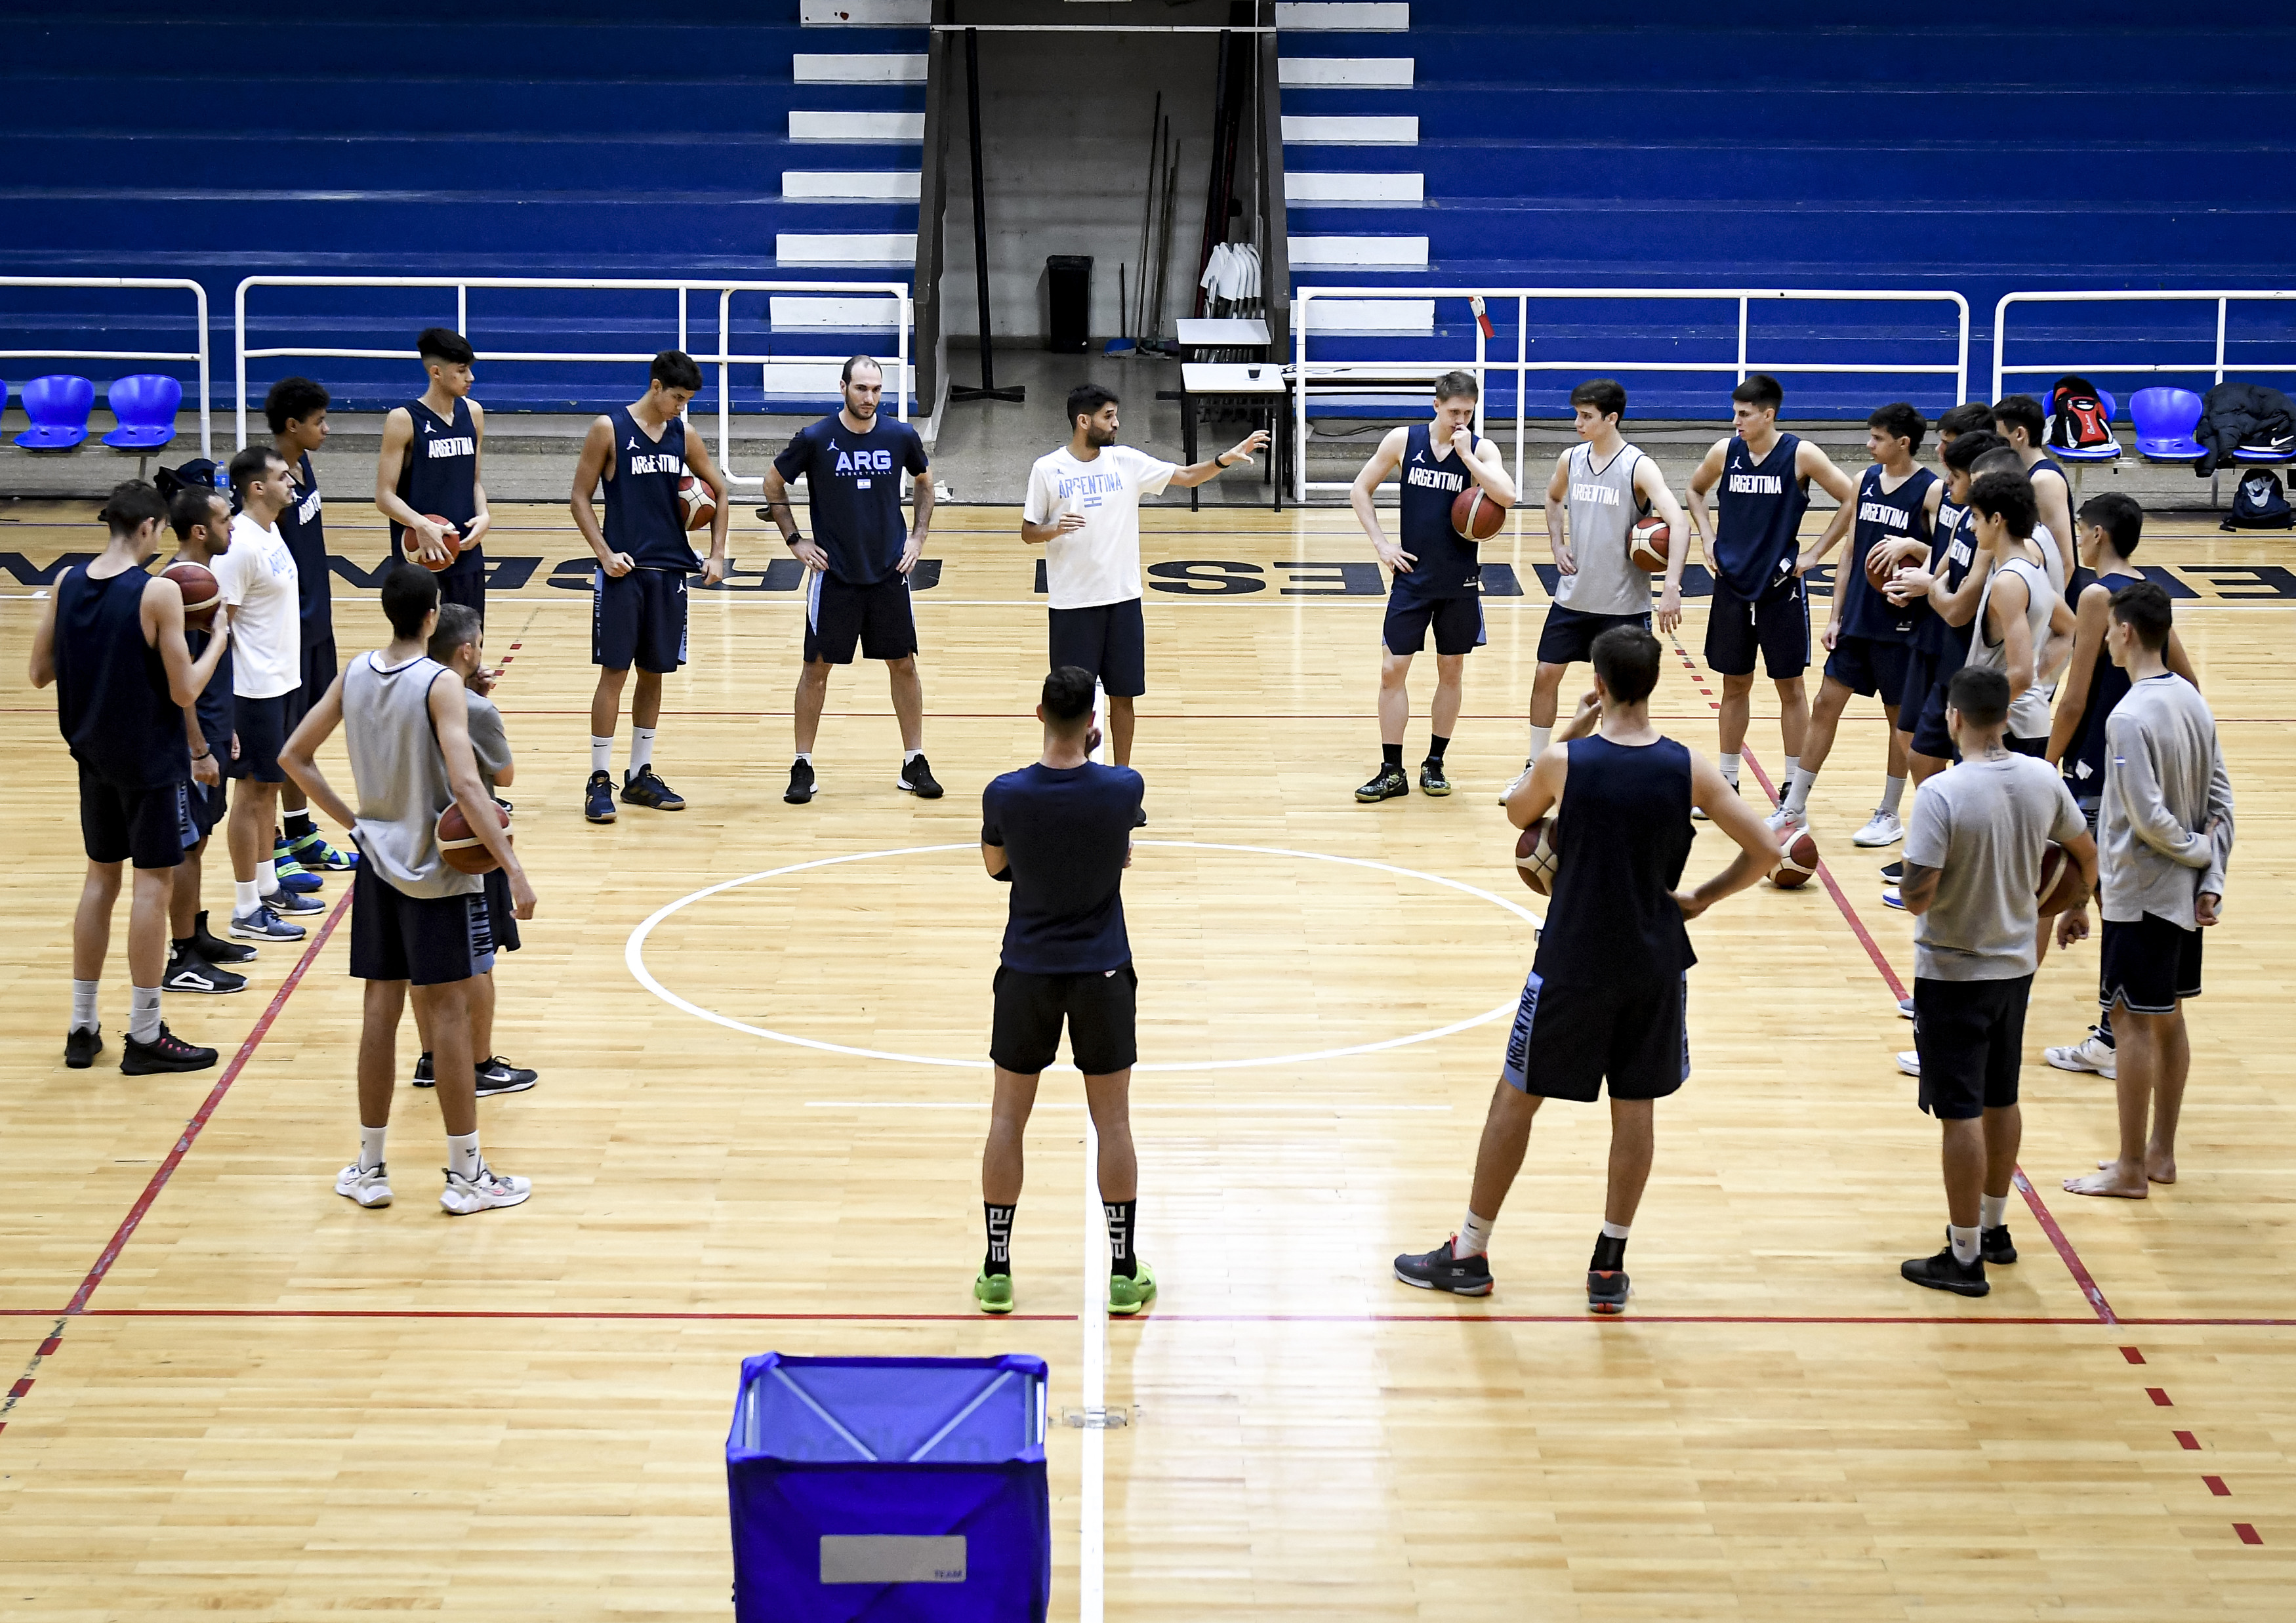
(2108, 686)
(1623, 833)
(441, 475)
(643, 516)
(305, 533)
(112, 704)
(1447, 564)
(1758, 528)
(1953, 548)
(1903, 512)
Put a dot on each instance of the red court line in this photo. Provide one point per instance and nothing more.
(571, 1315)
(640, 1315)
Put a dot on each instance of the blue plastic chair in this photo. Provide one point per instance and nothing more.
(58, 405)
(2165, 420)
(145, 406)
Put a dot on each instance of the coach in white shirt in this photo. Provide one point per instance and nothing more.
(258, 576)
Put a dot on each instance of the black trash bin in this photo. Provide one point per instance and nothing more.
(1068, 286)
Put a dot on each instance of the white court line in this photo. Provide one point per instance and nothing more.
(1273, 1107)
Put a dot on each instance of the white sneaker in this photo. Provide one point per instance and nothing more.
(463, 1196)
(1507, 793)
(1786, 817)
(370, 1186)
(1892, 897)
(2087, 1054)
(1909, 1061)
(1905, 1008)
(1882, 828)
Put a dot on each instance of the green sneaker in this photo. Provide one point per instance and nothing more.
(994, 1292)
(1127, 1296)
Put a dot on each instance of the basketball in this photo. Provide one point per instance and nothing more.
(699, 502)
(1536, 859)
(1796, 862)
(465, 852)
(2060, 888)
(1881, 563)
(1647, 544)
(414, 546)
(201, 592)
(1475, 515)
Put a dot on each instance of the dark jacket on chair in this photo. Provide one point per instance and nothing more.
(2237, 414)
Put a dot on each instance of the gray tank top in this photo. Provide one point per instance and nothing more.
(1602, 511)
(400, 775)
(2028, 712)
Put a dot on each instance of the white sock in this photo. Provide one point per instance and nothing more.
(909, 755)
(1964, 1243)
(806, 756)
(84, 1005)
(1540, 737)
(1474, 1235)
(1613, 1230)
(1793, 765)
(266, 879)
(143, 1014)
(641, 748)
(462, 1158)
(1798, 790)
(602, 754)
(1893, 791)
(246, 897)
(1992, 1211)
(370, 1147)
(1730, 768)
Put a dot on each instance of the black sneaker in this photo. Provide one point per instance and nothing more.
(1431, 781)
(423, 1074)
(1893, 873)
(1995, 1246)
(1443, 1269)
(1607, 1289)
(645, 788)
(82, 1044)
(1139, 816)
(1389, 784)
(598, 798)
(497, 1075)
(165, 1051)
(214, 948)
(1942, 1273)
(917, 778)
(189, 973)
(801, 782)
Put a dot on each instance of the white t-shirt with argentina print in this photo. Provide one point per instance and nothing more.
(1101, 562)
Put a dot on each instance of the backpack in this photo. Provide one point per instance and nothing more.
(2257, 502)
(2077, 417)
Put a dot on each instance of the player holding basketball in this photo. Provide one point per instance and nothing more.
(637, 612)
(429, 464)
(2020, 419)
(1599, 488)
(296, 408)
(1060, 834)
(1754, 550)
(857, 563)
(202, 520)
(1604, 997)
(1437, 574)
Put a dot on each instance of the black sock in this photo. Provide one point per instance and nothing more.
(1391, 755)
(1435, 745)
(999, 1259)
(299, 824)
(1121, 1259)
(183, 943)
(1609, 1254)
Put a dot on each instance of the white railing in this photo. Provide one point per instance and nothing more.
(199, 298)
(1306, 373)
(2215, 367)
(724, 360)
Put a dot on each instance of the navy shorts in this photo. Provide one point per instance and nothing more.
(1568, 1040)
(1868, 666)
(1775, 624)
(1931, 737)
(426, 940)
(1109, 640)
(2149, 966)
(1099, 1008)
(1568, 636)
(143, 827)
(262, 727)
(638, 619)
(1971, 1036)
(502, 914)
(1458, 623)
(1914, 691)
(467, 587)
(878, 617)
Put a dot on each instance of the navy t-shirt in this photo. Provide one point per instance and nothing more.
(854, 481)
(1065, 832)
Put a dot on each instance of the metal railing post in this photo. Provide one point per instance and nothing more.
(1741, 338)
(1522, 384)
(239, 350)
(2221, 303)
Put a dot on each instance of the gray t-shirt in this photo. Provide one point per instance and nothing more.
(2164, 786)
(401, 775)
(1983, 825)
(488, 741)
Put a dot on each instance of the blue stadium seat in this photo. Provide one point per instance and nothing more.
(2165, 418)
(58, 405)
(145, 406)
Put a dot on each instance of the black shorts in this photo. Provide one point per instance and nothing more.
(2035, 746)
(1931, 737)
(879, 616)
(467, 587)
(426, 940)
(200, 810)
(1025, 1037)
(1568, 1040)
(261, 725)
(1776, 624)
(1458, 623)
(319, 670)
(1868, 666)
(502, 914)
(1568, 636)
(2148, 967)
(638, 619)
(1109, 640)
(144, 826)
(1971, 1036)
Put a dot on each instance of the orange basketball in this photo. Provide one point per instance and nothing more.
(1536, 858)
(1475, 516)
(463, 850)
(2061, 888)
(412, 544)
(1881, 563)
(1796, 862)
(699, 501)
(200, 592)
(1647, 544)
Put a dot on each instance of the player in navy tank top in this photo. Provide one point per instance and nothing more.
(1437, 572)
(1604, 1001)
(2023, 422)
(1952, 583)
(429, 464)
(642, 453)
(296, 408)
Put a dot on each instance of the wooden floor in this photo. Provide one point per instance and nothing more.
(243, 1396)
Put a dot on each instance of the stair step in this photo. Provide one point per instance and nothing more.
(1351, 186)
(1400, 129)
(899, 186)
(1361, 16)
(1349, 72)
(889, 67)
(904, 127)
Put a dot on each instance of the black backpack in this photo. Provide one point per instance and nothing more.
(2257, 502)
(2077, 417)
